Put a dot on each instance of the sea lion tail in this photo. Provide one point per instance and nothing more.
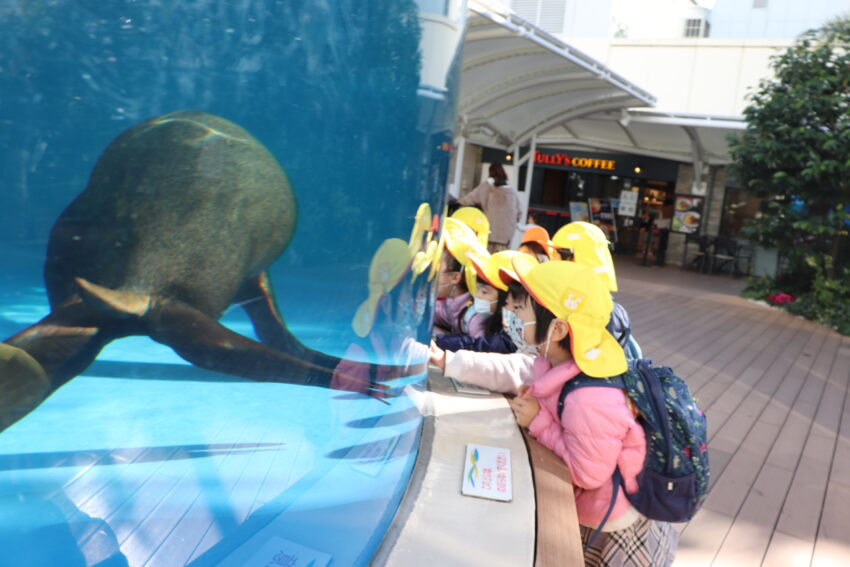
(114, 303)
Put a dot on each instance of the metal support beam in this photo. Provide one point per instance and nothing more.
(525, 196)
(698, 159)
(457, 175)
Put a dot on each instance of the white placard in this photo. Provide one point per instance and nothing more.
(279, 552)
(700, 188)
(463, 388)
(628, 203)
(487, 473)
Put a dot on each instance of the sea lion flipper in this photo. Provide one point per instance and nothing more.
(114, 303)
(23, 387)
(65, 342)
(256, 297)
(205, 342)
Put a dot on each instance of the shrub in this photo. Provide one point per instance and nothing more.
(826, 300)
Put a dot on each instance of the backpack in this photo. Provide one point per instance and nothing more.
(674, 481)
(620, 327)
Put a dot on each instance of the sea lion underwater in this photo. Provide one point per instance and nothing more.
(181, 217)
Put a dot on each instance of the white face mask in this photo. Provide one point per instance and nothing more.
(482, 306)
(515, 329)
(545, 353)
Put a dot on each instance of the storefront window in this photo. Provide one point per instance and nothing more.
(738, 206)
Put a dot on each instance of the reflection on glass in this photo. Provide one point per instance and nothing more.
(199, 198)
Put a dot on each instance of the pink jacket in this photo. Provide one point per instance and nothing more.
(597, 431)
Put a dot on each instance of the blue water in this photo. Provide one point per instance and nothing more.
(144, 459)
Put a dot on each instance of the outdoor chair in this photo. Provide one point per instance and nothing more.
(696, 255)
(732, 256)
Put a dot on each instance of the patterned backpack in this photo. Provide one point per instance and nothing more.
(674, 481)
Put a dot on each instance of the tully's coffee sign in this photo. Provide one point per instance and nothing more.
(574, 161)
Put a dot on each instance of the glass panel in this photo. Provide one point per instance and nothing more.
(216, 207)
(737, 207)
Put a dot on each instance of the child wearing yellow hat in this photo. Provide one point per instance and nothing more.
(503, 371)
(490, 297)
(474, 218)
(453, 310)
(566, 315)
(586, 244)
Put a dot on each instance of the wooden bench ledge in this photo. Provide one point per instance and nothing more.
(558, 541)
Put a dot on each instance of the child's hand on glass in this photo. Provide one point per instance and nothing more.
(437, 356)
(525, 407)
(361, 377)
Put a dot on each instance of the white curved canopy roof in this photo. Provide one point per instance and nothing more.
(679, 137)
(518, 81)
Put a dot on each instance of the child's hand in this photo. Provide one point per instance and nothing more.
(437, 356)
(525, 407)
(353, 376)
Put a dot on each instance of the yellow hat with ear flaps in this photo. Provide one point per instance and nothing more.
(574, 293)
(474, 218)
(462, 243)
(388, 266)
(590, 247)
(421, 224)
(437, 254)
(488, 268)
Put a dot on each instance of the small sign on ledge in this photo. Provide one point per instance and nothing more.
(464, 388)
(487, 473)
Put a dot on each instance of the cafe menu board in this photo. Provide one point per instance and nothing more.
(602, 215)
(687, 214)
(627, 206)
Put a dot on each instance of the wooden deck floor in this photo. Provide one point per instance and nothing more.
(775, 390)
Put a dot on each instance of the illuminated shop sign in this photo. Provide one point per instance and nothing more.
(571, 161)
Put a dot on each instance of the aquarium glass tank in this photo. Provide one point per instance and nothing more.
(218, 232)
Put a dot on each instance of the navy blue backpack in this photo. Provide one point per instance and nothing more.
(674, 481)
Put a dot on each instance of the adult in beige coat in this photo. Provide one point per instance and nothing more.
(500, 203)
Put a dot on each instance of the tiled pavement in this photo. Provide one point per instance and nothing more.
(775, 391)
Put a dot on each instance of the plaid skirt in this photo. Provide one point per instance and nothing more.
(645, 543)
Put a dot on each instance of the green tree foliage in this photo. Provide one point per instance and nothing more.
(795, 155)
(795, 152)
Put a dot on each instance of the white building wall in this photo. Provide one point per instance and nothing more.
(777, 19)
(588, 19)
(653, 19)
(710, 75)
(701, 76)
(565, 18)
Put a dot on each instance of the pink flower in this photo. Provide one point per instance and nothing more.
(781, 298)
